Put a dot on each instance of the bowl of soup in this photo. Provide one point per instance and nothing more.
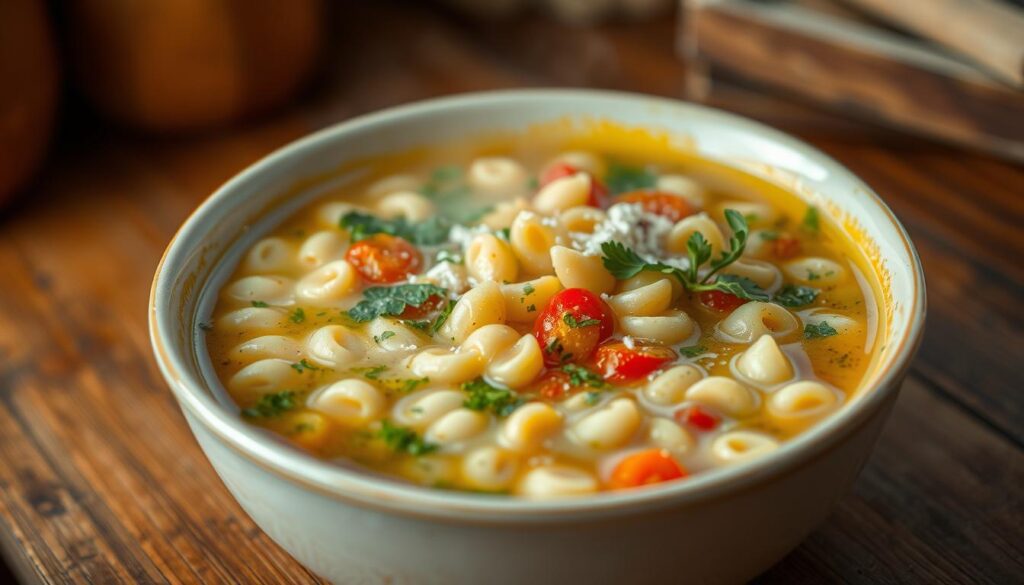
(547, 335)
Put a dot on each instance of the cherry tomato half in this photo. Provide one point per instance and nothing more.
(554, 385)
(381, 258)
(660, 203)
(719, 301)
(598, 192)
(645, 468)
(572, 325)
(619, 363)
(698, 417)
(786, 247)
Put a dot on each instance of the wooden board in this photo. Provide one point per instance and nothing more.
(857, 69)
(101, 482)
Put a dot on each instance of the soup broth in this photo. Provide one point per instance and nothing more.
(547, 317)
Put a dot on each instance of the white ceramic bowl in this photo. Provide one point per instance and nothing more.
(722, 526)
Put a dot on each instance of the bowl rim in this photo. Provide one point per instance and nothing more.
(366, 490)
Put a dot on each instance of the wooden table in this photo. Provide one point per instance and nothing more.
(102, 482)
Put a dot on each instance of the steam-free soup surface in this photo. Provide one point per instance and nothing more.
(545, 322)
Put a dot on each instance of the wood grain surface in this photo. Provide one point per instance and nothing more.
(101, 481)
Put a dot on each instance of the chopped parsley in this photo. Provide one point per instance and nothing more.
(271, 405)
(504, 234)
(410, 384)
(592, 398)
(404, 440)
(581, 376)
(260, 304)
(623, 178)
(575, 323)
(811, 221)
(302, 366)
(430, 232)
(393, 300)
(384, 335)
(483, 396)
(624, 263)
(442, 317)
(421, 325)
(692, 351)
(371, 373)
(795, 296)
(297, 315)
(528, 289)
(812, 275)
(822, 329)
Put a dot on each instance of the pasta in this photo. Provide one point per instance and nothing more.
(591, 323)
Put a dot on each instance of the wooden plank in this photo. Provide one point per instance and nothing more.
(859, 71)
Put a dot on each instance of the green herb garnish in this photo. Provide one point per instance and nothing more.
(484, 396)
(410, 384)
(297, 315)
(581, 376)
(430, 232)
(592, 398)
(692, 350)
(404, 440)
(811, 221)
(371, 373)
(624, 263)
(302, 366)
(442, 317)
(574, 323)
(384, 335)
(795, 295)
(260, 304)
(392, 300)
(823, 329)
(271, 405)
(623, 178)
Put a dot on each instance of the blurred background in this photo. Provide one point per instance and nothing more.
(118, 118)
(178, 69)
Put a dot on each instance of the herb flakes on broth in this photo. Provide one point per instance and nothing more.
(510, 322)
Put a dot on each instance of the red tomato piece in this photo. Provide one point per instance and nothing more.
(430, 305)
(572, 325)
(646, 468)
(666, 205)
(598, 192)
(381, 258)
(699, 418)
(786, 247)
(554, 385)
(618, 363)
(722, 302)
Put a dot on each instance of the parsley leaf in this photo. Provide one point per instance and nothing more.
(297, 316)
(795, 295)
(575, 323)
(442, 317)
(823, 329)
(404, 440)
(622, 178)
(392, 300)
(371, 373)
(260, 304)
(384, 335)
(692, 350)
(430, 232)
(302, 366)
(811, 222)
(483, 396)
(624, 263)
(581, 376)
(410, 384)
(271, 405)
